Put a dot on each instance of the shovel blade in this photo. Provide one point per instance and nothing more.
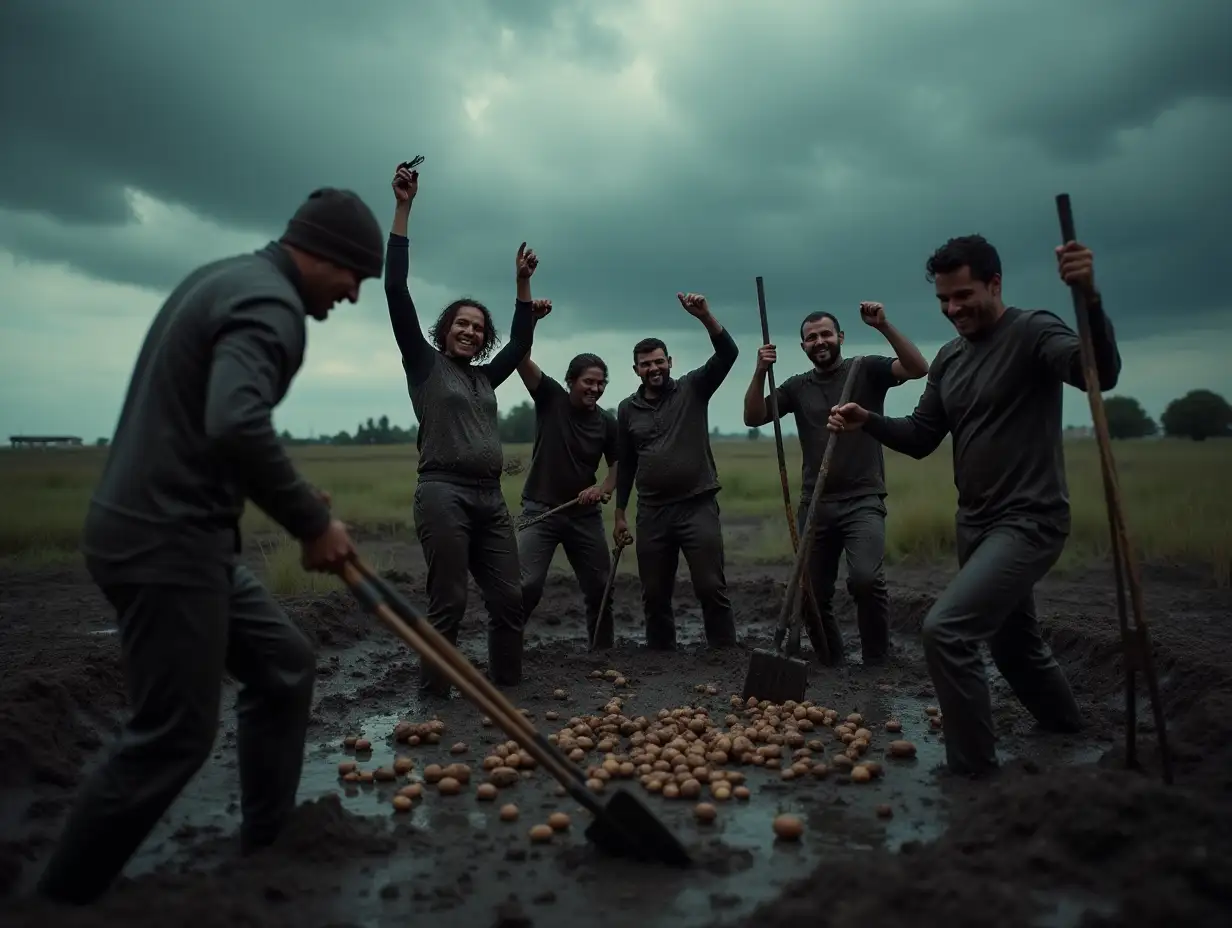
(627, 828)
(774, 678)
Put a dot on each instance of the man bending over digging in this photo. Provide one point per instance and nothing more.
(996, 389)
(663, 434)
(572, 434)
(851, 513)
(162, 535)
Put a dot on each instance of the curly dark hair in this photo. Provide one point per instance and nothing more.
(971, 251)
(584, 362)
(445, 321)
(817, 317)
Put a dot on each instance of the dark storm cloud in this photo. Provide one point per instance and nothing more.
(830, 160)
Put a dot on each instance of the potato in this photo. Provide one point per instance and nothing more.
(931, 710)
(485, 792)
(901, 749)
(595, 785)
(540, 833)
(350, 741)
(508, 812)
(893, 726)
(788, 827)
(558, 821)
(721, 793)
(501, 776)
(459, 748)
(860, 774)
(885, 811)
(742, 792)
(403, 765)
(362, 745)
(401, 803)
(433, 772)
(704, 812)
(347, 766)
(413, 791)
(448, 786)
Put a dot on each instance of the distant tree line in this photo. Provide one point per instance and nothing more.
(1198, 415)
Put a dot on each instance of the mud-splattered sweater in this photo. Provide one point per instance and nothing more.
(454, 400)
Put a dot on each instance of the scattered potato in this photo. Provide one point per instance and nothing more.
(448, 786)
(705, 812)
(459, 748)
(486, 792)
(788, 827)
(541, 833)
(501, 776)
(411, 791)
(860, 774)
(885, 811)
(558, 821)
(894, 726)
(901, 749)
(347, 766)
(403, 765)
(402, 803)
(508, 812)
(349, 741)
(362, 745)
(433, 773)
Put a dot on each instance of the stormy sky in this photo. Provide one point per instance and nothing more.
(642, 147)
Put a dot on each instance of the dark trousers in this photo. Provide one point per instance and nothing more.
(991, 600)
(691, 527)
(581, 533)
(176, 643)
(467, 528)
(855, 527)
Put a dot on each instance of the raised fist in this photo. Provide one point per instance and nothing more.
(873, 314)
(694, 303)
(527, 261)
(542, 308)
(405, 183)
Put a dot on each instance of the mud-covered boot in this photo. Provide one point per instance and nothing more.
(505, 656)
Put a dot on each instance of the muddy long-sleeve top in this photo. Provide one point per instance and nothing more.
(665, 442)
(454, 400)
(195, 436)
(1000, 398)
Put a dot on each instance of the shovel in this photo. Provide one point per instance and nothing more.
(551, 512)
(622, 826)
(1135, 635)
(607, 593)
(773, 676)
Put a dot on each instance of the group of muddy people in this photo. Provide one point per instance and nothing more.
(195, 441)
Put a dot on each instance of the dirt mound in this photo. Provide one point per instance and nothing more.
(1031, 843)
(330, 621)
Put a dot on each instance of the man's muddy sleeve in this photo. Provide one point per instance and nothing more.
(626, 454)
(256, 355)
(1057, 347)
(710, 376)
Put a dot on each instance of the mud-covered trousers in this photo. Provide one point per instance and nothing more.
(855, 527)
(691, 527)
(581, 534)
(465, 527)
(991, 599)
(176, 643)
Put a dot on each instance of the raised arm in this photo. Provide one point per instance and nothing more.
(626, 453)
(756, 401)
(418, 355)
(522, 332)
(710, 376)
(256, 355)
(1057, 347)
(528, 370)
(909, 363)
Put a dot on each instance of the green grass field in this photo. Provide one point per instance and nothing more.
(1175, 494)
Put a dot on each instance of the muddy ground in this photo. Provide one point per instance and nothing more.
(1064, 836)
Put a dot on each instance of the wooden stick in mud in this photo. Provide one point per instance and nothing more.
(822, 646)
(1135, 638)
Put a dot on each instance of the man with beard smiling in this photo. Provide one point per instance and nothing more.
(997, 390)
(663, 434)
(851, 513)
(571, 435)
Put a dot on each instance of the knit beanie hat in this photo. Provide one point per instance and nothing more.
(338, 226)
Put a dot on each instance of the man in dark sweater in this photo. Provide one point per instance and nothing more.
(663, 440)
(850, 516)
(461, 518)
(996, 389)
(162, 534)
(572, 434)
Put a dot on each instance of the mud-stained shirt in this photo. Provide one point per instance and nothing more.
(569, 443)
(196, 437)
(454, 400)
(857, 467)
(665, 443)
(999, 396)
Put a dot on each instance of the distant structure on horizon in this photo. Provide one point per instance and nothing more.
(45, 441)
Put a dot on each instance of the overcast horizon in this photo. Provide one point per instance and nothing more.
(642, 148)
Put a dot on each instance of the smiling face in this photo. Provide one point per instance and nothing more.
(587, 388)
(971, 305)
(465, 336)
(822, 342)
(653, 367)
